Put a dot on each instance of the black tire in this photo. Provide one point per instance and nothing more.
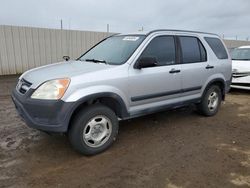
(82, 122)
(203, 106)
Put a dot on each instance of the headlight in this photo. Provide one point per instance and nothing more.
(51, 90)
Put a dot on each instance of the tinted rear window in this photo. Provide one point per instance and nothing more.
(217, 47)
(192, 50)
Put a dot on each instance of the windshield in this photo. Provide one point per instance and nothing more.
(241, 54)
(114, 50)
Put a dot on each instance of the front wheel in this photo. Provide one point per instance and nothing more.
(93, 129)
(211, 101)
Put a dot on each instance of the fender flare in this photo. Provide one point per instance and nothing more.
(123, 109)
(214, 81)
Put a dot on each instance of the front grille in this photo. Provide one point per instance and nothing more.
(241, 84)
(26, 82)
(240, 74)
(23, 86)
(23, 91)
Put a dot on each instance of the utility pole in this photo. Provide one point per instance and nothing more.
(107, 28)
(141, 29)
(61, 24)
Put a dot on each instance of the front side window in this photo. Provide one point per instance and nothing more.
(114, 50)
(161, 48)
(242, 54)
(217, 47)
(192, 50)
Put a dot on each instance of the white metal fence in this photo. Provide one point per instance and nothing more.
(236, 43)
(22, 48)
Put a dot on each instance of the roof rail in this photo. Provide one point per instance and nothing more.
(187, 31)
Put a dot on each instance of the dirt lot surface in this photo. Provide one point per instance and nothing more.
(172, 149)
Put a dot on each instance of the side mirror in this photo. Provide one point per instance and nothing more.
(145, 62)
(66, 58)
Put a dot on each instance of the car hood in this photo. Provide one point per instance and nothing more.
(65, 69)
(240, 66)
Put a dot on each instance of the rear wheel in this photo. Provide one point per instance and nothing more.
(211, 101)
(93, 129)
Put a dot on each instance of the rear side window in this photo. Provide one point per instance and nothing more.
(192, 50)
(163, 49)
(217, 47)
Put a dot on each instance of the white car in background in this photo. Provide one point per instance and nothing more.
(241, 67)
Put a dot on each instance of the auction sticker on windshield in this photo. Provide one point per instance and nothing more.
(130, 38)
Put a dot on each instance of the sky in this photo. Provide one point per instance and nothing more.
(228, 18)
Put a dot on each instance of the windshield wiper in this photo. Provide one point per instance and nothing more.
(95, 61)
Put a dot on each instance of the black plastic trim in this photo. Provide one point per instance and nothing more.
(162, 94)
(163, 108)
(178, 50)
(173, 71)
(191, 89)
(55, 115)
(123, 109)
(225, 89)
(209, 67)
(46, 115)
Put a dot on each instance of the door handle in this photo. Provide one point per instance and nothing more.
(172, 71)
(209, 67)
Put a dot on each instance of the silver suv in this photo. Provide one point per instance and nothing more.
(122, 77)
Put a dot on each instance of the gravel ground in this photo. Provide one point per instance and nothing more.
(175, 149)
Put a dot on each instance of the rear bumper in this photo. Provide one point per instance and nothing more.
(45, 115)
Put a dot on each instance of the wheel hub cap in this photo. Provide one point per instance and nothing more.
(97, 131)
(213, 101)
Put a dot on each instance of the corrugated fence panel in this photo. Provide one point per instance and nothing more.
(10, 49)
(42, 47)
(53, 45)
(30, 48)
(78, 43)
(24, 51)
(65, 46)
(3, 52)
(72, 43)
(236, 43)
(23, 48)
(36, 48)
(59, 45)
(47, 46)
(17, 51)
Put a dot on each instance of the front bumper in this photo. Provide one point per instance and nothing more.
(45, 115)
(241, 82)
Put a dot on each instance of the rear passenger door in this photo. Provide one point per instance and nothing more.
(195, 70)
